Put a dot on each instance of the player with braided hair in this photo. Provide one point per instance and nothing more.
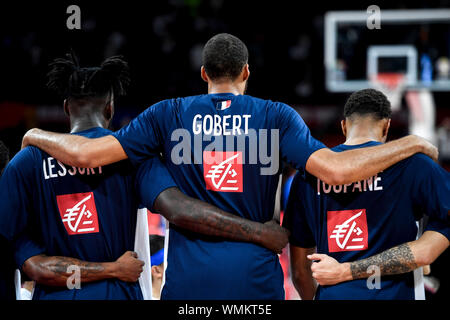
(64, 218)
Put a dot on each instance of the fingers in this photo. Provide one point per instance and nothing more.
(133, 254)
(316, 256)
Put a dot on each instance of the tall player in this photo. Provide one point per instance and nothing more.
(62, 217)
(357, 220)
(223, 147)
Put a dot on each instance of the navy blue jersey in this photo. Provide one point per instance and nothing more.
(223, 149)
(88, 214)
(357, 220)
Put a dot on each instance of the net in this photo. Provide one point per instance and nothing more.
(392, 85)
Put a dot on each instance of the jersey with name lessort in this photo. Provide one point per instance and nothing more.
(223, 149)
(357, 220)
(88, 214)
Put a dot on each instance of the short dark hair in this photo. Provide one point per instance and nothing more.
(156, 243)
(70, 80)
(368, 102)
(4, 156)
(224, 56)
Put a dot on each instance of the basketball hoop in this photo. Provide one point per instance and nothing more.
(392, 85)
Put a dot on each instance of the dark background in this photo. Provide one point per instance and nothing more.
(162, 40)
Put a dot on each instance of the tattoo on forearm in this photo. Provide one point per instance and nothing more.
(396, 260)
(206, 219)
(59, 266)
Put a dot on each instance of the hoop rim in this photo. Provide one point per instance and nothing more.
(389, 80)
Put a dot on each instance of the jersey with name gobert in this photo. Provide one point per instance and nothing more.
(224, 149)
(357, 220)
(88, 214)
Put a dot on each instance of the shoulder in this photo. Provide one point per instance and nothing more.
(419, 162)
(24, 162)
(257, 100)
(26, 156)
(422, 159)
(420, 167)
(270, 104)
(163, 107)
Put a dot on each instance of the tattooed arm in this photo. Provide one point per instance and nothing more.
(55, 270)
(400, 259)
(202, 217)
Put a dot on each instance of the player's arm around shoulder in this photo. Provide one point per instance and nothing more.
(76, 150)
(204, 218)
(358, 164)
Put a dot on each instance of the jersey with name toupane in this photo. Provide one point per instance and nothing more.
(357, 220)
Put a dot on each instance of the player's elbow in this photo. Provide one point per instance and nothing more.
(168, 204)
(84, 161)
(296, 277)
(424, 258)
(36, 272)
(334, 176)
(83, 157)
(299, 275)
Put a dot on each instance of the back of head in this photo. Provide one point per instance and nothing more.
(84, 85)
(224, 56)
(367, 103)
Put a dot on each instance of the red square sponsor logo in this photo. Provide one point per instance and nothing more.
(78, 212)
(222, 171)
(347, 230)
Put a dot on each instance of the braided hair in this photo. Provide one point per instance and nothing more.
(69, 80)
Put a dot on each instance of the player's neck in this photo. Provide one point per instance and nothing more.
(85, 123)
(156, 289)
(225, 87)
(360, 135)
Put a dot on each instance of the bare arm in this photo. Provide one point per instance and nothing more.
(76, 150)
(204, 218)
(400, 259)
(301, 272)
(331, 167)
(354, 165)
(55, 270)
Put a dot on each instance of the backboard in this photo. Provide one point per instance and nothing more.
(411, 42)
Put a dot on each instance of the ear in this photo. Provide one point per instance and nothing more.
(246, 72)
(203, 74)
(66, 108)
(386, 129)
(157, 272)
(344, 128)
(108, 112)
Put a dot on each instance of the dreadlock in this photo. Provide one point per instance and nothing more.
(68, 79)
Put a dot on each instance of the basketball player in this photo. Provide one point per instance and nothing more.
(355, 221)
(62, 217)
(217, 149)
(157, 261)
